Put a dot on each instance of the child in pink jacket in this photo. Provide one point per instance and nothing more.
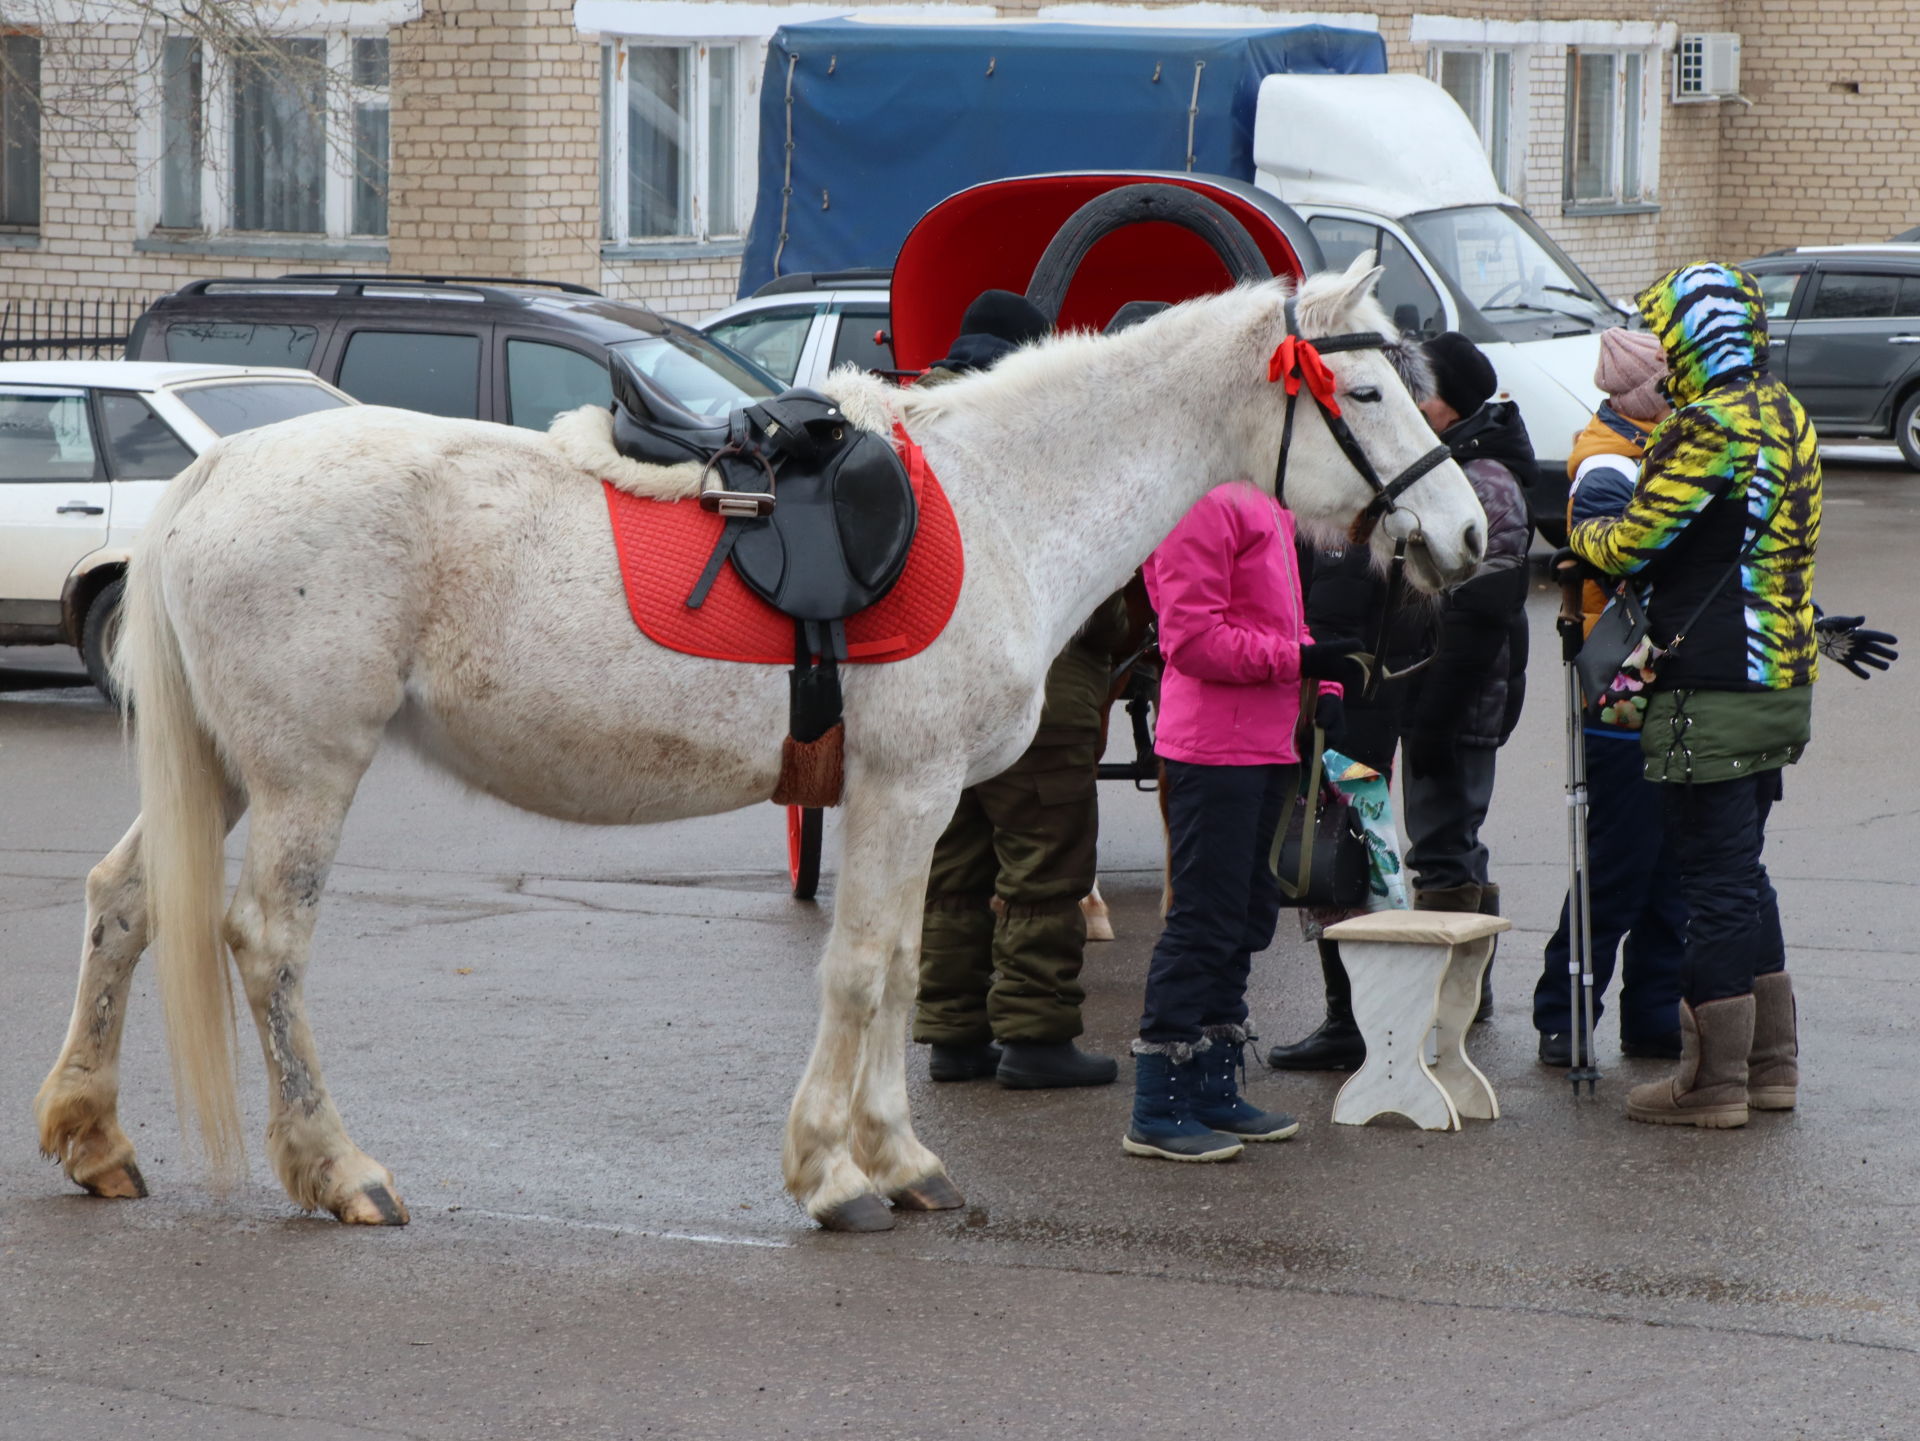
(1233, 634)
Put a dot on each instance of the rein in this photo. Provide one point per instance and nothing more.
(1298, 361)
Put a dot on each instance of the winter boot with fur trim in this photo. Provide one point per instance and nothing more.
(1710, 1088)
(1219, 1103)
(1165, 1079)
(1773, 1066)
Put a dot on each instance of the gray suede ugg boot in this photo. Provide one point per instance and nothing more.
(1710, 1088)
(1773, 1066)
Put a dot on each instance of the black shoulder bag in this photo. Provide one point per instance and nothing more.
(1319, 853)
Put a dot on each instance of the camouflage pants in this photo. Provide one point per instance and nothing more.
(1027, 836)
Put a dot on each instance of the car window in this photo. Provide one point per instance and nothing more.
(140, 444)
(543, 380)
(771, 339)
(230, 342)
(862, 340)
(1406, 293)
(439, 374)
(1776, 291)
(234, 406)
(46, 437)
(699, 375)
(1854, 297)
(1341, 239)
(1909, 302)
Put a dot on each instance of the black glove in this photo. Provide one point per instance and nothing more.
(1841, 639)
(1330, 714)
(1334, 660)
(1429, 753)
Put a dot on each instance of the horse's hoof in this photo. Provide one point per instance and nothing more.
(118, 1183)
(930, 1193)
(866, 1212)
(375, 1206)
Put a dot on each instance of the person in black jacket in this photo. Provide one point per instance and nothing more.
(1454, 712)
(1459, 710)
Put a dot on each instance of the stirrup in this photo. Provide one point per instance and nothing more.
(735, 504)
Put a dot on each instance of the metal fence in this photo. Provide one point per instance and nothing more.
(67, 327)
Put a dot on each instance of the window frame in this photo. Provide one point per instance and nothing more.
(1637, 131)
(615, 194)
(1506, 163)
(34, 142)
(344, 100)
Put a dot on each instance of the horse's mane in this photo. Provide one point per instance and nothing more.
(584, 437)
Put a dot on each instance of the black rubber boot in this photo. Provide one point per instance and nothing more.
(1028, 1066)
(1336, 1046)
(963, 1063)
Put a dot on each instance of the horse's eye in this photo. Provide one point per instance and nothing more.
(1366, 394)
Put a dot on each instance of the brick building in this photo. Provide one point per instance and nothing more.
(612, 142)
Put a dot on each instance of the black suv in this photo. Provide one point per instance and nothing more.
(1845, 323)
(515, 351)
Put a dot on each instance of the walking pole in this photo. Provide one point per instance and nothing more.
(1579, 905)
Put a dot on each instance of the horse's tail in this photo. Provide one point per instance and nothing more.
(183, 829)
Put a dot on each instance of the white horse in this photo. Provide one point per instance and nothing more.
(307, 588)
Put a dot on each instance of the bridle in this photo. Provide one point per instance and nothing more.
(1297, 362)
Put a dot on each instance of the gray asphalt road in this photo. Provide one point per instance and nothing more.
(575, 1047)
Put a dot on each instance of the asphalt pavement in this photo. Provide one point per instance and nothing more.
(574, 1047)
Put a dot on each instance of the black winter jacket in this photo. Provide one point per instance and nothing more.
(1345, 598)
(1473, 689)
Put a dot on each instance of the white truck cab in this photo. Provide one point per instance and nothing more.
(1391, 163)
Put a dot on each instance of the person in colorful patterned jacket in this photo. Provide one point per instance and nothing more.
(1722, 529)
(1639, 912)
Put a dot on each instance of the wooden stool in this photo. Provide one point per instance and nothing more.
(1413, 971)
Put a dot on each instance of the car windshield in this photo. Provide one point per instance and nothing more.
(234, 406)
(1504, 266)
(706, 378)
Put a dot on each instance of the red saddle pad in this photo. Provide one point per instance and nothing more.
(664, 545)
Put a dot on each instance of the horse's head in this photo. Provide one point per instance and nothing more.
(1369, 378)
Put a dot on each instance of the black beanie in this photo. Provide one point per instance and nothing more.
(1001, 313)
(1462, 375)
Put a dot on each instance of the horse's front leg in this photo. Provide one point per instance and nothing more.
(859, 1063)
(884, 1145)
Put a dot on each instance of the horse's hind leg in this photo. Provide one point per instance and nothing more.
(854, 1092)
(290, 847)
(78, 1103)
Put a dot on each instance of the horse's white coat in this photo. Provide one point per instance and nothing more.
(306, 588)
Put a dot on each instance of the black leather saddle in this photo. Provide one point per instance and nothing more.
(820, 515)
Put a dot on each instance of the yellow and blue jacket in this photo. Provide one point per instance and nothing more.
(1736, 465)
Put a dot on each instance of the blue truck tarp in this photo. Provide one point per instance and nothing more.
(888, 120)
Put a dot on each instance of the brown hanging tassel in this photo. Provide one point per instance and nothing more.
(812, 773)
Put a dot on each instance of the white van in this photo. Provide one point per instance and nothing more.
(1391, 163)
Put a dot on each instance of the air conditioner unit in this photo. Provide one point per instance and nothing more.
(1706, 67)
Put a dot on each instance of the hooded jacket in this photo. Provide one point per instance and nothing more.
(1736, 464)
(1476, 683)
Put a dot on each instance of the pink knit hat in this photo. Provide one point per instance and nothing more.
(1631, 367)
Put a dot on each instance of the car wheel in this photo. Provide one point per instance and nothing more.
(1906, 429)
(97, 634)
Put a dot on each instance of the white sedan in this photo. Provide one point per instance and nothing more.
(86, 448)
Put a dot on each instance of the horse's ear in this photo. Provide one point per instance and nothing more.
(1328, 298)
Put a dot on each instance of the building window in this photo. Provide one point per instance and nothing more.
(300, 137)
(1481, 82)
(1606, 127)
(673, 125)
(19, 130)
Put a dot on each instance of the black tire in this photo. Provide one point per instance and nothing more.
(1906, 429)
(804, 827)
(1135, 205)
(97, 632)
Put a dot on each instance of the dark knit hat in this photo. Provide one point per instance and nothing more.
(1006, 315)
(1462, 376)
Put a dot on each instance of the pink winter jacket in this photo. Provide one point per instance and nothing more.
(1226, 586)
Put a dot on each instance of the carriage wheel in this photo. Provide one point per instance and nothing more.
(804, 824)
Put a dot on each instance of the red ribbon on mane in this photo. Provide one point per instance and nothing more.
(1296, 360)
